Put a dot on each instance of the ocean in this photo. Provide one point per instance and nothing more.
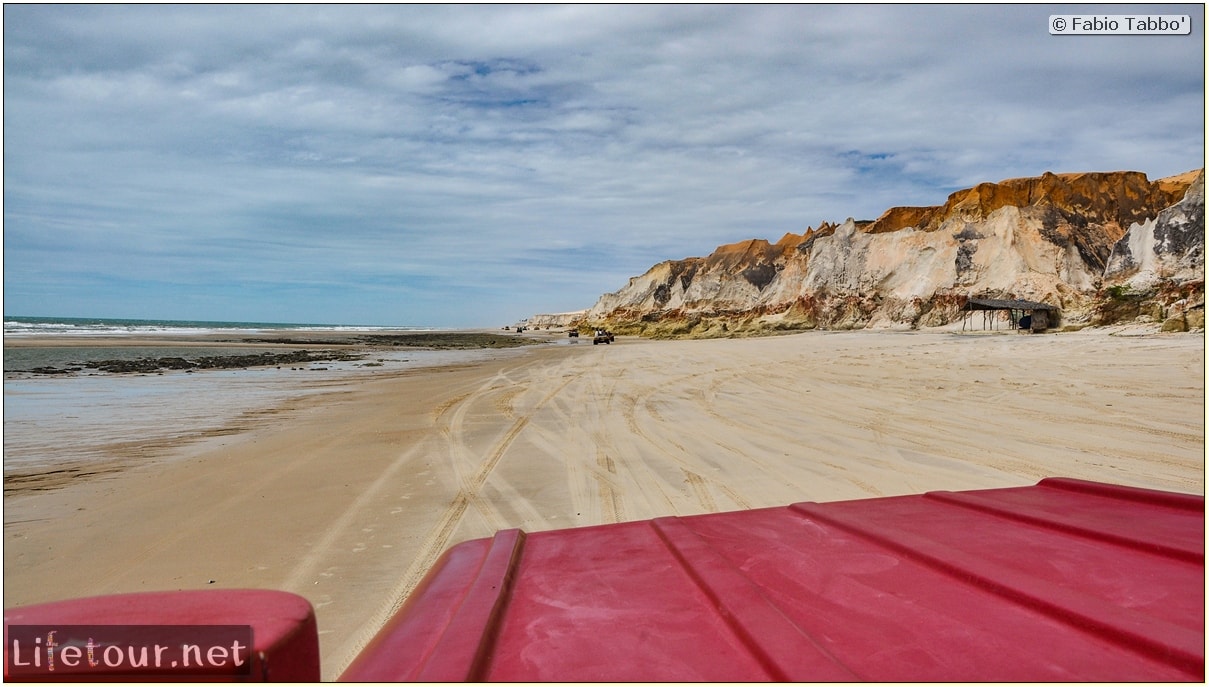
(54, 421)
(96, 331)
(84, 326)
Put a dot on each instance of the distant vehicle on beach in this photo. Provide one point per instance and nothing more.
(573, 333)
(602, 336)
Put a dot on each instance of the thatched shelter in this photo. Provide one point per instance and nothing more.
(1023, 315)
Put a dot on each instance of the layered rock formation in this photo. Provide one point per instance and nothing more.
(1077, 241)
(556, 320)
(1157, 269)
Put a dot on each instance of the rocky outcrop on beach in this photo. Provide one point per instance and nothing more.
(353, 347)
(215, 362)
(555, 320)
(1070, 240)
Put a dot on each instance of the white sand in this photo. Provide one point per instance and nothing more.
(348, 498)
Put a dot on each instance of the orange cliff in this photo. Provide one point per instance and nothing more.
(1119, 198)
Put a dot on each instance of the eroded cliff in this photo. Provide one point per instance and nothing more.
(1078, 241)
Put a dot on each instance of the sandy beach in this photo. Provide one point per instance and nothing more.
(348, 497)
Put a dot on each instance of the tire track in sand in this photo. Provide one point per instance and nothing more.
(611, 507)
(437, 540)
(305, 568)
(699, 484)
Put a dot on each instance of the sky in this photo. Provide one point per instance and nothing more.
(470, 166)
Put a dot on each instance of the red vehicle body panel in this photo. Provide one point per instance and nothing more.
(1065, 580)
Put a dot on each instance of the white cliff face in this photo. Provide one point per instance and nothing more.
(657, 289)
(554, 320)
(904, 264)
(1009, 252)
(1047, 239)
(1135, 258)
(1170, 247)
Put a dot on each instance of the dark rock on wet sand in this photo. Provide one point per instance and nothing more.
(215, 362)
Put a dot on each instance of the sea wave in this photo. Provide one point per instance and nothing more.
(46, 326)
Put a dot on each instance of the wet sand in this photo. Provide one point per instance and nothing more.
(348, 497)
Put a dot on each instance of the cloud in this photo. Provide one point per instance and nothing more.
(462, 165)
